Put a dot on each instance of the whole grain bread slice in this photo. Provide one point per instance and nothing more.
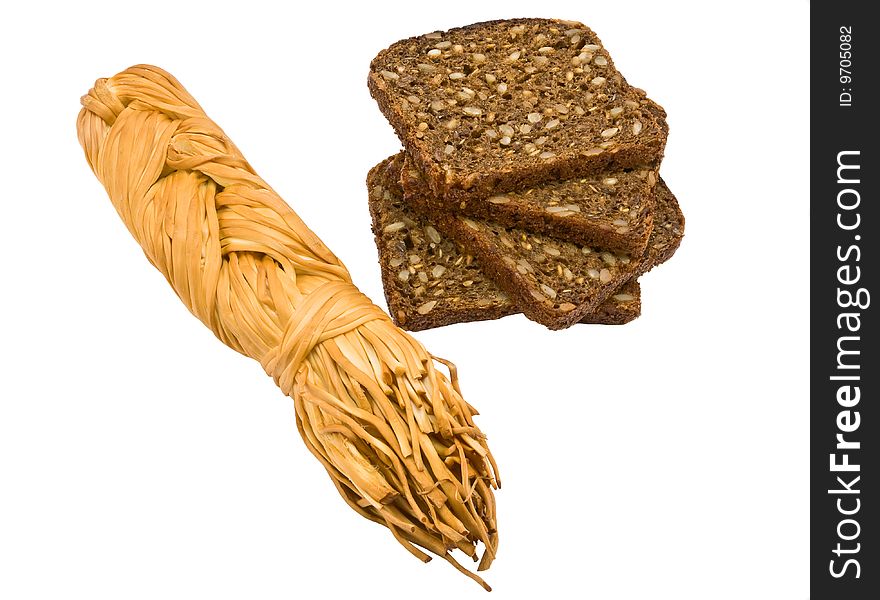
(429, 281)
(507, 105)
(611, 210)
(552, 281)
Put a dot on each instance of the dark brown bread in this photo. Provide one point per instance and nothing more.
(454, 289)
(668, 229)
(548, 82)
(623, 306)
(553, 282)
(428, 281)
(611, 210)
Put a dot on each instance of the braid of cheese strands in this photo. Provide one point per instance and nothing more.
(394, 433)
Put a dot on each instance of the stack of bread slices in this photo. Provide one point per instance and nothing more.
(528, 181)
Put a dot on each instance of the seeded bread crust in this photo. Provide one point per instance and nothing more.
(435, 92)
(465, 294)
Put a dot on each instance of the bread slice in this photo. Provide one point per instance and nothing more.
(611, 210)
(443, 284)
(553, 282)
(462, 292)
(508, 105)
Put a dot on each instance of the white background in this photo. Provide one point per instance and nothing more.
(141, 458)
